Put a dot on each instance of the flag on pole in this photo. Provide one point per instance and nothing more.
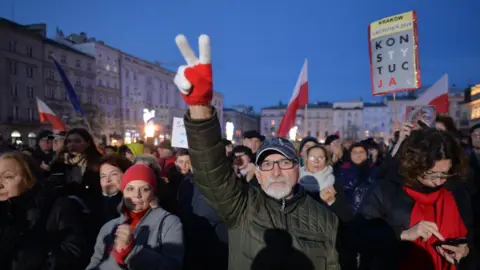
(47, 116)
(436, 95)
(298, 100)
(72, 96)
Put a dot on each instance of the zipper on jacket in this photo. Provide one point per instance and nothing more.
(283, 204)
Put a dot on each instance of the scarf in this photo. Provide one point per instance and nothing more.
(77, 160)
(438, 206)
(315, 182)
(135, 217)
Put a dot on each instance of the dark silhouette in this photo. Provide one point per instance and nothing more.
(279, 254)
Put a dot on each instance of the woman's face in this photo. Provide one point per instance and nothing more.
(138, 195)
(316, 160)
(76, 144)
(12, 180)
(437, 175)
(110, 177)
(358, 155)
(183, 164)
(440, 126)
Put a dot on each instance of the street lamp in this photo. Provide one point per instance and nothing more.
(229, 129)
(292, 134)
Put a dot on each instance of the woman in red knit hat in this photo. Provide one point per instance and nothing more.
(145, 236)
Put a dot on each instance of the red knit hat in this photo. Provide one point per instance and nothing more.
(139, 172)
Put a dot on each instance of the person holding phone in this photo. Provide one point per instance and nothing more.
(421, 218)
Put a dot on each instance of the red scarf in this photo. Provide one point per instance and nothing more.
(135, 217)
(438, 207)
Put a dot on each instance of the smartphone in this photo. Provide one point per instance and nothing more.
(452, 242)
(424, 114)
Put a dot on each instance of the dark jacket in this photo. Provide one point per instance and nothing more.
(38, 231)
(385, 213)
(264, 233)
(206, 236)
(356, 181)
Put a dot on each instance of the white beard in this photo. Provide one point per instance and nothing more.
(278, 192)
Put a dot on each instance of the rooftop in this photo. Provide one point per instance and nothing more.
(316, 105)
(66, 47)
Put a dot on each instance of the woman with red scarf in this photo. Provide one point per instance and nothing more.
(407, 216)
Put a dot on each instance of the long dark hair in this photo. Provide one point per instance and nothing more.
(91, 153)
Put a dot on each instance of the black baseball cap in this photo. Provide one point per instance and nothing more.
(278, 145)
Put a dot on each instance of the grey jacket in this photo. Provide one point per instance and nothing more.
(158, 244)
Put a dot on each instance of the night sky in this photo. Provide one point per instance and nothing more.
(258, 47)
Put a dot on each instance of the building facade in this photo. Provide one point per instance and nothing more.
(474, 105)
(80, 69)
(376, 120)
(242, 121)
(108, 94)
(348, 119)
(21, 80)
(148, 86)
(317, 122)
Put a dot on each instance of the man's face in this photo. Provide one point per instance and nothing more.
(277, 176)
(476, 138)
(335, 147)
(45, 144)
(252, 143)
(58, 144)
(228, 149)
(241, 161)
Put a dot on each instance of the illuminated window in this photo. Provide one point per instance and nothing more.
(107, 67)
(382, 134)
(273, 123)
(367, 133)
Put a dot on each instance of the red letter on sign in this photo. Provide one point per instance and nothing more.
(392, 82)
(380, 85)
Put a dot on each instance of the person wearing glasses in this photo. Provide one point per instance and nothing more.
(421, 219)
(276, 226)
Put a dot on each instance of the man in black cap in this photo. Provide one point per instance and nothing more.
(253, 139)
(43, 153)
(58, 140)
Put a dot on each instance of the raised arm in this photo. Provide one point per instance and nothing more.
(213, 174)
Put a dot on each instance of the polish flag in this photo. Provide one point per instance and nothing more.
(47, 116)
(298, 100)
(436, 95)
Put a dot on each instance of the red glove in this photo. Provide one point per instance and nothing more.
(194, 80)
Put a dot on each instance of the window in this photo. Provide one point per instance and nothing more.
(50, 54)
(78, 81)
(30, 91)
(51, 75)
(89, 66)
(65, 96)
(77, 63)
(89, 100)
(30, 114)
(100, 82)
(100, 99)
(63, 59)
(127, 74)
(29, 51)
(149, 80)
(12, 46)
(50, 93)
(273, 123)
(15, 90)
(13, 67)
(115, 69)
(15, 113)
(107, 67)
(366, 133)
(29, 72)
(127, 114)
(134, 76)
(149, 95)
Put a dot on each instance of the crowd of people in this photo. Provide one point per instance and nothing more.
(411, 202)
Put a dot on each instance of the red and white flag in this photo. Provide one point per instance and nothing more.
(436, 95)
(47, 116)
(298, 100)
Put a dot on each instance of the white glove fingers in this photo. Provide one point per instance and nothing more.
(204, 48)
(181, 81)
(186, 50)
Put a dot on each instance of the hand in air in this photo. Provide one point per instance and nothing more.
(194, 80)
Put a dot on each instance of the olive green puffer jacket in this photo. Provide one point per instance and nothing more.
(264, 233)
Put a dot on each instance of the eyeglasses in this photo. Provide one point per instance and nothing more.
(312, 158)
(283, 164)
(435, 175)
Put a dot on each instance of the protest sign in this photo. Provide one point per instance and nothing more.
(179, 135)
(393, 48)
